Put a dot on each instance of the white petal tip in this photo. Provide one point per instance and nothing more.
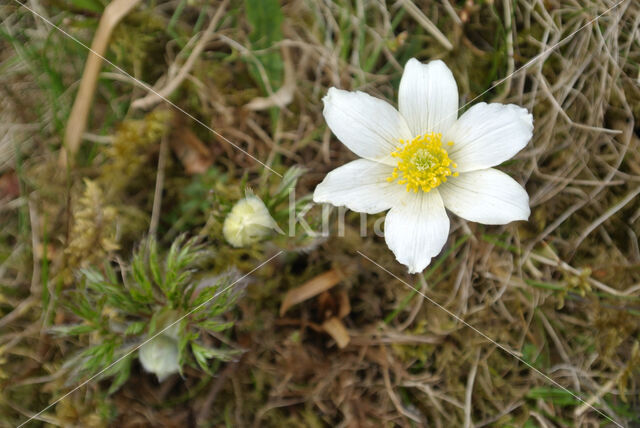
(332, 94)
(318, 196)
(428, 96)
(322, 194)
(370, 127)
(327, 98)
(439, 63)
(525, 116)
(415, 264)
(434, 62)
(416, 269)
(511, 217)
(417, 230)
(488, 134)
(522, 114)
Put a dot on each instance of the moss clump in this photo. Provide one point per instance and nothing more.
(93, 231)
(128, 158)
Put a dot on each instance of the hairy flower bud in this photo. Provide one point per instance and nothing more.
(160, 356)
(248, 222)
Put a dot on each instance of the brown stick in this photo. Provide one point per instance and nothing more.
(113, 14)
(155, 97)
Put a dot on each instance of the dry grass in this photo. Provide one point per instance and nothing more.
(561, 291)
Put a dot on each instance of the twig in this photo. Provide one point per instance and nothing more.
(157, 197)
(275, 404)
(607, 214)
(451, 11)
(595, 397)
(153, 98)
(283, 96)
(469, 392)
(567, 267)
(508, 24)
(113, 14)
(35, 243)
(203, 415)
(18, 311)
(417, 307)
(563, 113)
(426, 23)
(394, 398)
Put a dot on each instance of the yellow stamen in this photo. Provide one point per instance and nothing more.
(423, 164)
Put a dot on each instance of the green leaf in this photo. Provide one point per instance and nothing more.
(123, 371)
(557, 396)
(111, 274)
(135, 328)
(185, 339)
(288, 182)
(153, 323)
(99, 356)
(154, 265)
(203, 354)
(204, 296)
(81, 306)
(90, 5)
(73, 330)
(140, 275)
(265, 17)
(200, 354)
(92, 275)
(215, 326)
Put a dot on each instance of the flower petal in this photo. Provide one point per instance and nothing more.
(417, 229)
(428, 97)
(486, 196)
(488, 134)
(361, 186)
(370, 127)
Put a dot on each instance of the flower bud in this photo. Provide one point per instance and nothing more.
(160, 356)
(248, 222)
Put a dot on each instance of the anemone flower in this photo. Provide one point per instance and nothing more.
(422, 158)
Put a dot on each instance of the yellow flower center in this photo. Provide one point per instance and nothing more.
(422, 163)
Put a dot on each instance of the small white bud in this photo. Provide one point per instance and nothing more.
(160, 356)
(248, 222)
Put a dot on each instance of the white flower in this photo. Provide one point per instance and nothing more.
(160, 355)
(423, 158)
(248, 222)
